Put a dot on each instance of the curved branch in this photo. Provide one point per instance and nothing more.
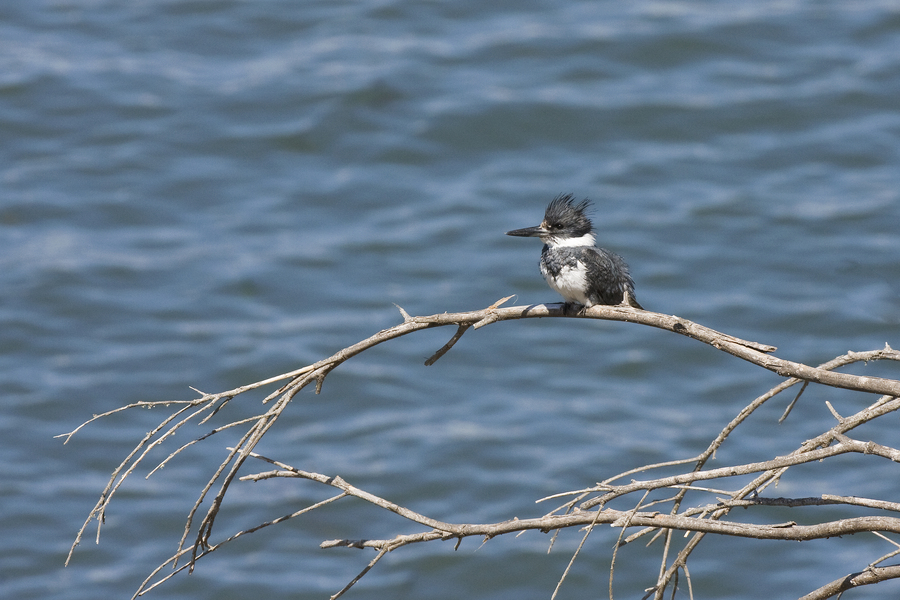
(616, 518)
(752, 352)
(848, 582)
(709, 519)
(846, 445)
(789, 531)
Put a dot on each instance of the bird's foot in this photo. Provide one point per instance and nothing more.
(573, 309)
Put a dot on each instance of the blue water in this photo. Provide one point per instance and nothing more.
(211, 193)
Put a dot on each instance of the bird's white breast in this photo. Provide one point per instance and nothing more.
(570, 283)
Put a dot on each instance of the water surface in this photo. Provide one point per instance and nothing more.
(210, 193)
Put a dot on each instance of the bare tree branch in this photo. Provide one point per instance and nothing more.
(588, 507)
(853, 580)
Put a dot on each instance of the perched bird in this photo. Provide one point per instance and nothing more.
(572, 264)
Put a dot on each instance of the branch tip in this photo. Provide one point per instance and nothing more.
(500, 301)
(403, 313)
(446, 347)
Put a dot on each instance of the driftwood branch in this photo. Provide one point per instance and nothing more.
(616, 518)
(586, 508)
(866, 577)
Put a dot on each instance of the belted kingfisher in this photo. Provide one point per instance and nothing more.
(572, 264)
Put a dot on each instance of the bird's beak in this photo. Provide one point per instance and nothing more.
(528, 232)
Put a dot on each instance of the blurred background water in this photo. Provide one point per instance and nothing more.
(206, 194)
